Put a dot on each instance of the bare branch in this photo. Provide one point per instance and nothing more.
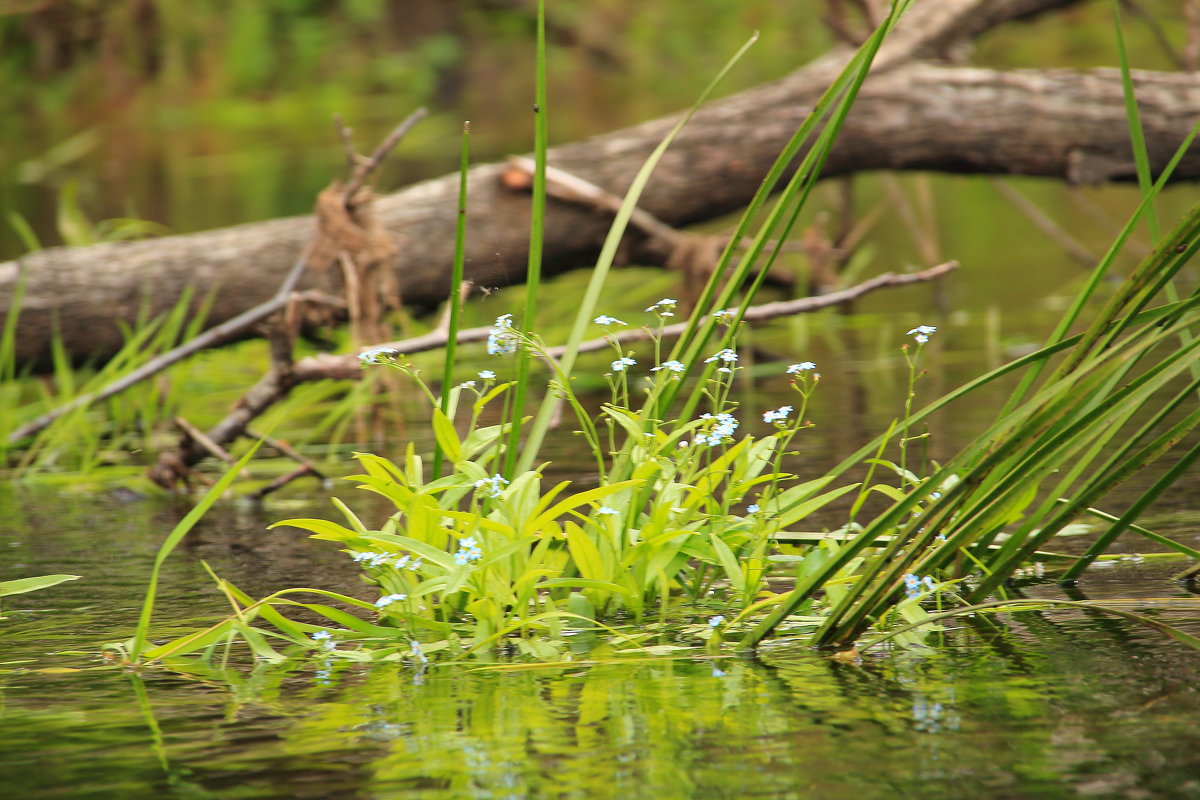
(363, 170)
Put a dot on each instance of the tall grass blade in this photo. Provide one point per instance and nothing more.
(172, 541)
(533, 274)
(834, 104)
(456, 280)
(604, 263)
(1137, 137)
(1096, 279)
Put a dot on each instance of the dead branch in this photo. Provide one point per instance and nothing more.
(273, 386)
(364, 168)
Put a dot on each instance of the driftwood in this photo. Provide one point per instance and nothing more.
(174, 467)
(915, 112)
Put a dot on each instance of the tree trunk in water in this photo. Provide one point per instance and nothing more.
(911, 114)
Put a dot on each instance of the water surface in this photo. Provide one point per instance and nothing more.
(1043, 705)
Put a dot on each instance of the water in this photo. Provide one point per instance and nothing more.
(1055, 704)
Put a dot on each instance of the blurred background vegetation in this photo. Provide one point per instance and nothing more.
(195, 114)
(203, 113)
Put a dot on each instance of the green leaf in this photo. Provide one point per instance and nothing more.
(23, 585)
(175, 537)
(586, 556)
(801, 510)
(729, 563)
(577, 500)
(321, 529)
(447, 437)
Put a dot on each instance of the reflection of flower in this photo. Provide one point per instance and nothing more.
(324, 639)
(716, 621)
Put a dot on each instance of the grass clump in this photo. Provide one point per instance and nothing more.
(689, 513)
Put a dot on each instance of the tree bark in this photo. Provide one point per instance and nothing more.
(912, 114)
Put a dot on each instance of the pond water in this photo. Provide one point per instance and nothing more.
(1041, 705)
(1052, 704)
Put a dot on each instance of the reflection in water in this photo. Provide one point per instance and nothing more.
(1050, 704)
(1061, 718)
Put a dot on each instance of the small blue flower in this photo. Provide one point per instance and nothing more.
(727, 355)
(672, 366)
(468, 551)
(716, 621)
(502, 338)
(778, 415)
(371, 559)
(922, 333)
(803, 366)
(621, 363)
(605, 319)
(467, 385)
(376, 355)
(753, 508)
(607, 511)
(487, 375)
(388, 599)
(664, 307)
(324, 640)
(915, 585)
(726, 316)
(401, 563)
(493, 485)
(717, 672)
(724, 428)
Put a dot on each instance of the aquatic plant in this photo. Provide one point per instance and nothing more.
(487, 556)
(32, 584)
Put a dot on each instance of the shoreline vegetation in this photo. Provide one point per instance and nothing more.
(479, 556)
(690, 515)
